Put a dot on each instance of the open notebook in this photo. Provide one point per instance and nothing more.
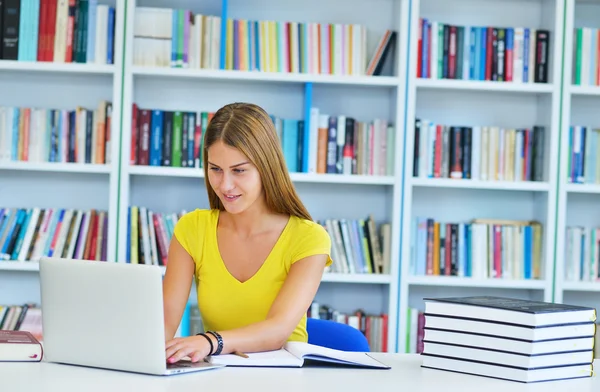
(293, 354)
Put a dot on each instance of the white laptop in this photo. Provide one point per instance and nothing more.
(106, 315)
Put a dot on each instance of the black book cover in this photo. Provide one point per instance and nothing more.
(10, 29)
(542, 42)
(512, 304)
(184, 136)
(167, 138)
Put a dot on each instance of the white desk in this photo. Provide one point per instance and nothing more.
(405, 375)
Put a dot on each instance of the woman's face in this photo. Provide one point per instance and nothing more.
(234, 178)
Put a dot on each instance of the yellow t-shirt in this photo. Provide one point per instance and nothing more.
(226, 303)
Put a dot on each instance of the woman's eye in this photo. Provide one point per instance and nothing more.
(214, 169)
(239, 170)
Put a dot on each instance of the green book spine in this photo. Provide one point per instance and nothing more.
(579, 35)
(176, 141)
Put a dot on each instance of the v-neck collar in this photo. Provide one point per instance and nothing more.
(264, 263)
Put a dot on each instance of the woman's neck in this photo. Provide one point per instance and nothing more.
(255, 220)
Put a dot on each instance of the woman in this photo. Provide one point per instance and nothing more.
(256, 255)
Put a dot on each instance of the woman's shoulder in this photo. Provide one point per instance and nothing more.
(200, 214)
(307, 228)
(196, 219)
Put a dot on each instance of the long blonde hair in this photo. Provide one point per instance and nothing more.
(249, 129)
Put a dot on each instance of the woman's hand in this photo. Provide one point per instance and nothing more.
(195, 347)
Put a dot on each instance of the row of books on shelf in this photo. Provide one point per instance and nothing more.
(480, 248)
(582, 254)
(35, 134)
(26, 317)
(358, 246)
(488, 153)
(338, 144)
(373, 326)
(149, 234)
(75, 31)
(26, 234)
(494, 53)
(180, 38)
(586, 69)
(583, 165)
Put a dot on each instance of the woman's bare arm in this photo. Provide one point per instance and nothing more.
(176, 286)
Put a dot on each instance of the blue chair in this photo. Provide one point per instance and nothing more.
(331, 334)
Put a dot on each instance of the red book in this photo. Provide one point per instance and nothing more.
(19, 346)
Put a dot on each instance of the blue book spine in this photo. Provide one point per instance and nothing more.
(191, 135)
(257, 61)
(526, 55)
(110, 44)
(308, 95)
(527, 249)
(483, 49)
(156, 132)
(10, 230)
(223, 43)
(23, 41)
(34, 31)
(290, 144)
(22, 231)
(476, 53)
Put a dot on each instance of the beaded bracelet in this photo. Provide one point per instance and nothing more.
(209, 342)
(219, 342)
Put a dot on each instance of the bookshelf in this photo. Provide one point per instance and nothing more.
(167, 189)
(452, 97)
(400, 97)
(578, 199)
(57, 82)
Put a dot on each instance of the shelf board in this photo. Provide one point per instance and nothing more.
(279, 77)
(584, 90)
(296, 177)
(29, 266)
(166, 171)
(55, 167)
(357, 278)
(582, 188)
(478, 184)
(52, 67)
(19, 266)
(477, 85)
(473, 282)
(582, 286)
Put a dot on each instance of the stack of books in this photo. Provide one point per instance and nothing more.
(510, 339)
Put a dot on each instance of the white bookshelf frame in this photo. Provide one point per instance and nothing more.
(566, 189)
(450, 286)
